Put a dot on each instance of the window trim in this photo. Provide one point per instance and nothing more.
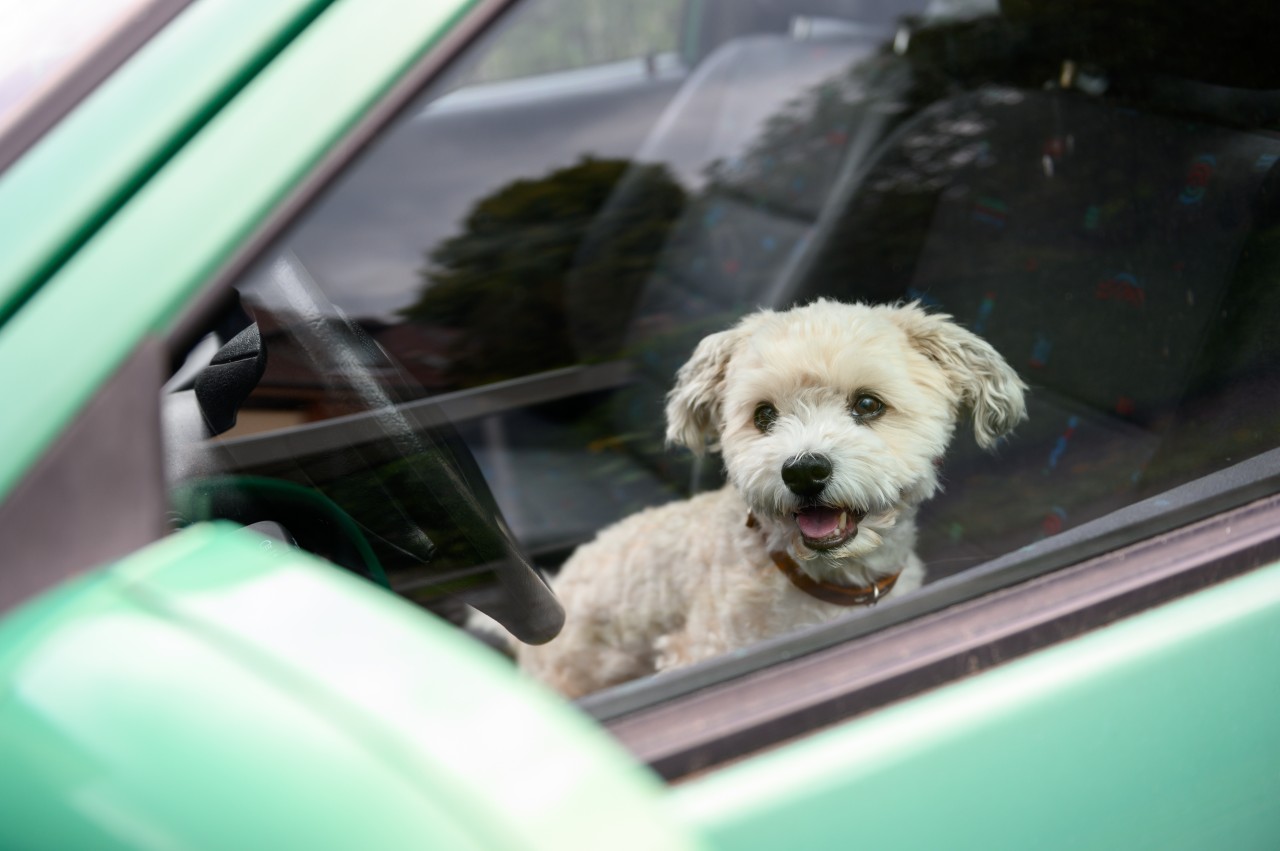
(1183, 506)
(728, 720)
(87, 501)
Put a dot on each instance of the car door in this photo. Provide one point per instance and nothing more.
(1100, 514)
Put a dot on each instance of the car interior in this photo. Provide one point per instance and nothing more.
(457, 375)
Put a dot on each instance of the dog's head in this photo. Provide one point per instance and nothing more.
(832, 417)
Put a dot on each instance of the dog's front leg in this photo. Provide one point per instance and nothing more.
(702, 636)
(673, 651)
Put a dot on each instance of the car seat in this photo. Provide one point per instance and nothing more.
(1095, 237)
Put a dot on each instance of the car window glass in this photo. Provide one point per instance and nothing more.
(558, 35)
(536, 246)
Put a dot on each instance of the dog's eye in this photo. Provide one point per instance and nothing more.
(766, 415)
(867, 406)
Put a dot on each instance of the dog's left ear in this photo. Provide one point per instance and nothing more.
(987, 385)
(693, 405)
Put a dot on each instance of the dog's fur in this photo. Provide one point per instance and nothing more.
(689, 580)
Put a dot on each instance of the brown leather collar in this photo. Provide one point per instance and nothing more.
(830, 592)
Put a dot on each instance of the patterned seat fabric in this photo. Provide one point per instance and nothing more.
(1114, 256)
(1102, 250)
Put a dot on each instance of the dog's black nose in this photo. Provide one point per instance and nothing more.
(806, 475)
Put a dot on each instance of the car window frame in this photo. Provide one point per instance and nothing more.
(843, 671)
(690, 721)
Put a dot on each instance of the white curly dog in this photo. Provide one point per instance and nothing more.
(832, 419)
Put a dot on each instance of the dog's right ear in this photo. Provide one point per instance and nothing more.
(693, 405)
(983, 379)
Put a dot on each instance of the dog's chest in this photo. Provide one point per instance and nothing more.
(764, 604)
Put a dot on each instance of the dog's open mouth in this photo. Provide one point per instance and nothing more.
(824, 527)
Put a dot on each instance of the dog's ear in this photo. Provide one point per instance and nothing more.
(985, 381)
(693, 405)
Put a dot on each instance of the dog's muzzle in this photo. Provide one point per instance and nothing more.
(823, 526)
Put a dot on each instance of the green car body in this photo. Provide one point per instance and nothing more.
(163, 700)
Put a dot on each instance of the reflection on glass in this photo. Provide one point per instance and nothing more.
(534, 257)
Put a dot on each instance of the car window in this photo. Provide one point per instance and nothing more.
(521, 264)
(558, 35)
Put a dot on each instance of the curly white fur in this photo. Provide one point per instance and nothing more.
(689, 580)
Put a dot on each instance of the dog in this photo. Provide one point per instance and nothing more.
(832, 420)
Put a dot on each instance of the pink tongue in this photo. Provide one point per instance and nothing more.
(818, 522)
